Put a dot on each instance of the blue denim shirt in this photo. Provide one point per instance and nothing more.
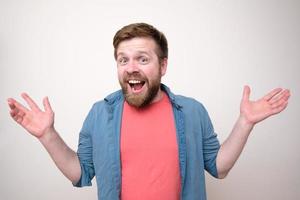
(99, 146)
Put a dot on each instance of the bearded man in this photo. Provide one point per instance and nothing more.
(144, 142)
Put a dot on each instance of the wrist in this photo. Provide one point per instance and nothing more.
(48, 134)
(244, 122)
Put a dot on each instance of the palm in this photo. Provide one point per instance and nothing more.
(34, 120)
(272, 103)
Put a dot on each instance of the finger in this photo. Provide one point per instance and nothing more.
(282, 95)
(18, 118)
(280, 102)
(246, 92)
(30, 102)
(14, 105)
(13, 113)
(11, 104)
(47, 105)
(272, 94)
(280, 108)
(16, 113)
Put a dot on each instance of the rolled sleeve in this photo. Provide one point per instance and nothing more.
(85, 153)
(211, 146)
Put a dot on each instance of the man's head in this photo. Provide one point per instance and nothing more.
(142, 30)
(141, 53)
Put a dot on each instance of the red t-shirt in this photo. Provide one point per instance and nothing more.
(149, 152)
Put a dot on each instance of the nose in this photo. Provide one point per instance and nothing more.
(132, 67)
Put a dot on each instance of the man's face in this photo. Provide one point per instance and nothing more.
(140, 71)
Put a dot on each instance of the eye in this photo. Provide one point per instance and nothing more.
(122, 61)
(143, 60)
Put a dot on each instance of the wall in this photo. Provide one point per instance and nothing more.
(63, 49)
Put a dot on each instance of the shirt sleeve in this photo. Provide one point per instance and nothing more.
(211, 145)
(85, 153)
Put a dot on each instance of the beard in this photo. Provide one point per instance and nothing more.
(142, 99)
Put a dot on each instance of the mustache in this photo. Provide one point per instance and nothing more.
(134, 75)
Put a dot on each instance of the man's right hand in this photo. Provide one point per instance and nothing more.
(34, 120)
(41, 125)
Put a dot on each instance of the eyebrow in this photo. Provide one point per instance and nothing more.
(138, 52)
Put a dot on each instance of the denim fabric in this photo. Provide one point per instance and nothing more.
(99, 146)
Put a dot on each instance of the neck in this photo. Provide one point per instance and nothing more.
(158, 96)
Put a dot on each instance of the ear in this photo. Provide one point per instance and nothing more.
(163, 65)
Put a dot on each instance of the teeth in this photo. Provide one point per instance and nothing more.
(134, 81)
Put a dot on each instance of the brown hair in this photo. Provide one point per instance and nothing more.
(142, 30)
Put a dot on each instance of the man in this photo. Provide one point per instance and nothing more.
(144, 142)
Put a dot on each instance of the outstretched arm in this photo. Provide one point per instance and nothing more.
(251, 112)
(41, 125)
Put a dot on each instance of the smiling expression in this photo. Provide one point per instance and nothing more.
(140, 71)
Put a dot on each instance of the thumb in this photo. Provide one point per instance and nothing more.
(47, 105)
(246, 93)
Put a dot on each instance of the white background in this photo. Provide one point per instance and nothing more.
(63, 49)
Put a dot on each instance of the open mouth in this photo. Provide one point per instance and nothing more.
(136, 85)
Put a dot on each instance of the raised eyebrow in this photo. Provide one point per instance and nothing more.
(121, 54)
(139, 53)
